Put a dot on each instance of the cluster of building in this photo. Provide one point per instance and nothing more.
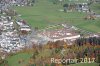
(68, 33)
(9, 38)
(23, 25)
(10, 28)
(18, 2)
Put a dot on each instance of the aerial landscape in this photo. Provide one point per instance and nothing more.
(49, 32)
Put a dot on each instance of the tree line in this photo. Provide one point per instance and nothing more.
(90, 40)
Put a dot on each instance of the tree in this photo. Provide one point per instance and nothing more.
(98, 59)
(55, 1)
(65, 7)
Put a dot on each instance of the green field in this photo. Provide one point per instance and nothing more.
(13, 61)
(46, 13)
(85, 64)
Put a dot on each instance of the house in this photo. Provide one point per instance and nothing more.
(25, 28)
